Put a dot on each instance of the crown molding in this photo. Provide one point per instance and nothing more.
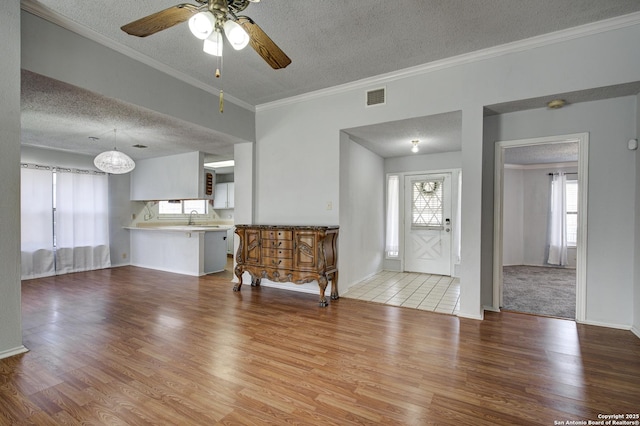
(37, 9)
(479, 55)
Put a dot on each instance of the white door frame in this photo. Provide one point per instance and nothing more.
(581, 260)
(447, 228)
(455, 206)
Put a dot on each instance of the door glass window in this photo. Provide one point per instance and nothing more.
(426, 205)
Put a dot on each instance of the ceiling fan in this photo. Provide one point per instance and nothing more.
(208, 21)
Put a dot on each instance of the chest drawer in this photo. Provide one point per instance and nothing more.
(276, 234)
(279, 253)
(280, 263)
(277, 244)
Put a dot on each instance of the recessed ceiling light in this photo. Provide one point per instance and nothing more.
(218, 164)
(140, 146)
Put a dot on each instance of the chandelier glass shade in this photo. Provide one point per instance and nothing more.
(114, 162)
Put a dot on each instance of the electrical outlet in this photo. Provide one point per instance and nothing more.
(124, 255)
(329, 205)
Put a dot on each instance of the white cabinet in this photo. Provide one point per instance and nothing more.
(175, 177)
(230, 236)
(223, 196)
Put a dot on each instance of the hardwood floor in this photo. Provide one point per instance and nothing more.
(132, 346)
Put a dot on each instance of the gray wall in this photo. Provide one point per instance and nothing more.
(513, 216)
(612, 185)
(636, 295)
(60, 54)
(304, 133)
(10, 313)
(361, 212)
(526, 216)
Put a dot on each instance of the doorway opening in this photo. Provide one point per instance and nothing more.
(543, 284)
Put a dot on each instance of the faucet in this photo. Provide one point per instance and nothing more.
(191, 217)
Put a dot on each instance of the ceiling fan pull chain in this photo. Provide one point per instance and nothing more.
(221, 101)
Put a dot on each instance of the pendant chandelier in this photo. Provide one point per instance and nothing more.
(114, 162)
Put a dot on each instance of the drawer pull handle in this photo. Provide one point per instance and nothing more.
(276, 263)
(278, 244)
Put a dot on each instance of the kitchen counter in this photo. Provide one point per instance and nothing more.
(184, 249)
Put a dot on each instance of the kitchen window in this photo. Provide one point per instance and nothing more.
(182, 207)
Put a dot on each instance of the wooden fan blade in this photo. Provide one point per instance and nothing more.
(262, 44)
(160, 20)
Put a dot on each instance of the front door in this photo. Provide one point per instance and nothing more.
(428, 223)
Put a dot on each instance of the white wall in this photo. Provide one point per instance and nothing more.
(512, 221)
(298, 139)
(611, 189)
(636, 274)
(362, 229)
(10, 313)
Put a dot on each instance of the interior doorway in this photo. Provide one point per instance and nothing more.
(548, 146)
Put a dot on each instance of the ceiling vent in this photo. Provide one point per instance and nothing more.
(376, 97)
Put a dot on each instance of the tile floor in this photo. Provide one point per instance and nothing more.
(434, 293)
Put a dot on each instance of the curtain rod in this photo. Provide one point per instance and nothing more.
(570, 173)
(60, 169)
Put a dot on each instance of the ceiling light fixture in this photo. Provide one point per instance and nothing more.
(237, 36)
(556, 103)
(415, 146)
(218, 164)
(202, 24)
(213, 44)
(114, 162)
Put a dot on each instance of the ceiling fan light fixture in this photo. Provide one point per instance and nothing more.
(237, 36)
(213, 44)
(202, 24)
(415, 148)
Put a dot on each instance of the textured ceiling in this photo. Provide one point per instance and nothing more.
(566, 152)
(436, 133)
(330, 42)
(333, 42)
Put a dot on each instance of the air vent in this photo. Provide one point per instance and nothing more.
(376, 97)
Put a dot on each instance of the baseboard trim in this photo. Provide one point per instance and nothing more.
(635, 330)
(13, 352)
(604, 324)
(490, 309)
(471, 316)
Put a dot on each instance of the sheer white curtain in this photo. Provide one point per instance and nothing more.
(82, 222)
(393, 212)
(558, 221)
(36, 206)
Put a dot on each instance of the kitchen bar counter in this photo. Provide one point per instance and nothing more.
(184, 249)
